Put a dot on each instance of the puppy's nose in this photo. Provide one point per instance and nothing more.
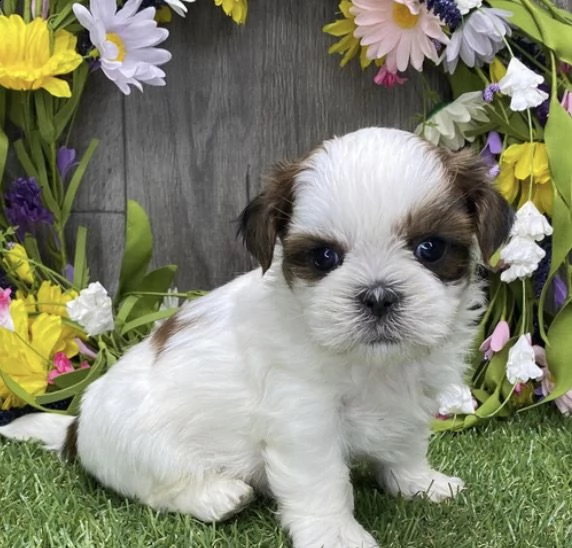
(378, 299)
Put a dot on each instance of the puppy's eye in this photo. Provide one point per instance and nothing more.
(431, 250)
(326, 258)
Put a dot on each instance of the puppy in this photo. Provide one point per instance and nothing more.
(363, 310)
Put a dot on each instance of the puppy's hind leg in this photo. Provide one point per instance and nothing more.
(211, 498)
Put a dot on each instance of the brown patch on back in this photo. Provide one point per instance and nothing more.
(298, 260)
(69, 450)
(164, 332)
(267, 216)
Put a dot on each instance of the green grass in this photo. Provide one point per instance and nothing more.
(518, 476)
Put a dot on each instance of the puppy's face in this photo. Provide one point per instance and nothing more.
(378, 233)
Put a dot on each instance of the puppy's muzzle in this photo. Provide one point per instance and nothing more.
(378, 300)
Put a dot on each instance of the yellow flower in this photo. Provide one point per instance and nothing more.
(50, 299)
(237, 9)
(522, 165)
(26, 352)
(28, 62)
(496, 70)
(349, 45)
(17, 263)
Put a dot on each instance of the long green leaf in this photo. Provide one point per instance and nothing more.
(138, 249)
(44, 103)
(80, 271)
(25, 396)
(158, 281)
(146, 319)
(76, 180)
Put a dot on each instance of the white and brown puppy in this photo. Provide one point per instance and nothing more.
(336, 349)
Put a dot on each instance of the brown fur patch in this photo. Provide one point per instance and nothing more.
(69, 450)
(298, 260)
(164, 332)
(445, 218)
(492, 216)
(267, 216)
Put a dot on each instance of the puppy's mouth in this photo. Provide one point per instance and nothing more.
(385, 331)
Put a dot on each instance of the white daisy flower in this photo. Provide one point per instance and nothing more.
(449, 126)
(126, 40)
(178, 6)
(521, 85)
(521, 365)
(478, 39)
(530, 223)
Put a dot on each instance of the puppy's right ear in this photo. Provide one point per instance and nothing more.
(267, 217)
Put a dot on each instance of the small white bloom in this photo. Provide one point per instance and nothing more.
(478, 39)
(530, 223)
(465, 6)
(178, 6)
(126, 40)
(456, 399)
(449, 125)
(521, 84)
(170, 300)
(522, 255)
(521, 366)
(5, 316)
(92, 309)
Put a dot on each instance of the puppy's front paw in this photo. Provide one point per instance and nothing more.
(409, 483)
(320, 533)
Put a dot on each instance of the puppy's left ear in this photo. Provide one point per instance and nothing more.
(267, 217)
(493, 216)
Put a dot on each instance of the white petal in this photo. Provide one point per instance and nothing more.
(520, 366)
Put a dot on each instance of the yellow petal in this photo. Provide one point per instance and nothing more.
(45, 332)
(57, 87)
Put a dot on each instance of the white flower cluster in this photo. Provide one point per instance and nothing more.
(456, 399)
(521, 364)
(522, 253)
(92, 309)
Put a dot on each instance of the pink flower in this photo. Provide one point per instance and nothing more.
(5, 317)
(497, 341)
(62, 364)
(403, 32)
(567, 101)
(388, 79)
(563, 403)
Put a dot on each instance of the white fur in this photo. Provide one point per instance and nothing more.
(269, 388)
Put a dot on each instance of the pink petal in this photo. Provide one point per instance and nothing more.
(500, 336)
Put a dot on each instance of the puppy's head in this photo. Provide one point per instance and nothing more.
(378, 234)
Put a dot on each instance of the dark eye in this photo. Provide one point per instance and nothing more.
(325, 258)
(431, 250)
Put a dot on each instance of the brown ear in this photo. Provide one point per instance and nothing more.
(266, 218)
(493, 216)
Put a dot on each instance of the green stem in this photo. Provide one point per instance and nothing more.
(523, 311)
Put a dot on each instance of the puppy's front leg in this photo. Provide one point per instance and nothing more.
(308, 476)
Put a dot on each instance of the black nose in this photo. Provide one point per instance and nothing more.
(378, 299)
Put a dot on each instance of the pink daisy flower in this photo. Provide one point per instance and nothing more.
(403, 32)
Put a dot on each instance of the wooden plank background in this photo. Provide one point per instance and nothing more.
(237, 99)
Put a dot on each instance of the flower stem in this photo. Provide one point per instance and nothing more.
(523, 312)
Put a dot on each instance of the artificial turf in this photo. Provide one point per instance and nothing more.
(518, 475)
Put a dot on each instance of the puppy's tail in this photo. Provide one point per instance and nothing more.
(49, 428)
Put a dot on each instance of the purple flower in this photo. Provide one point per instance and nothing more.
(65, 160)
(489, 92)
(23, 206)
(560, 291)
(446, 10)
(492, 148)
(541, 110)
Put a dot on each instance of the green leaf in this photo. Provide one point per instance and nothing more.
(558, 138)
(25, 396)
(559, 352)
(45, 114)
(80, 271)
(456, 423)
(147, 319)
(539, 25)
(138, 249)
(125, 308)
(69, 379)
(65, 114)
(464, 80)
(76, 180)
(158, 281)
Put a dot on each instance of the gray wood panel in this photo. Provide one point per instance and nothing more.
(237, 100)
(101, 117)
